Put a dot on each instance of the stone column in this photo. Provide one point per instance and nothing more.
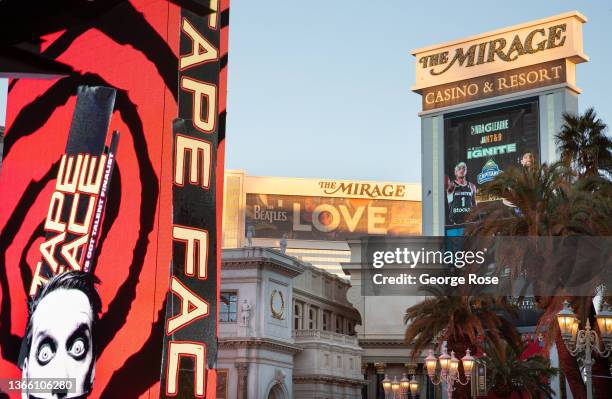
(380, 376)
(364, 373)
(306, 318)
(243, 380)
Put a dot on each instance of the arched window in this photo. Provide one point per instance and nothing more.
(297, 316)
(326, 320)
(312, 318)
(339, 325)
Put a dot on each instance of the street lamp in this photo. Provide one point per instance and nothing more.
(395, 389)
(449, 369)
(405, 383)
(395, 386)
(414, 386)
(604, 320)
(586, 341)
(386, 383)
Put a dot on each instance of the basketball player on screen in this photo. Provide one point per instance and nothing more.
(460, 195)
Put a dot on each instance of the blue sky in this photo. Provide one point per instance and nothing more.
(324, 90)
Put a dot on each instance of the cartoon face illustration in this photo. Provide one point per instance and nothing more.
(60, 334)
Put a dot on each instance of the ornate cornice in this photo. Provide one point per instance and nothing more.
(240, 258)
(258, 343)
(378, 343)
(328, 379)
(301, 294)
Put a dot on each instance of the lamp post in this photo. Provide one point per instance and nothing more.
(395, 389)
(449, 369)
(587, 341)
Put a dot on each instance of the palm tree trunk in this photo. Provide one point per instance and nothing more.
(602, 386)
(568, 364)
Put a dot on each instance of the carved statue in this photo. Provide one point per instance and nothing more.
(249, 235)
(245, 313)
(283, 244)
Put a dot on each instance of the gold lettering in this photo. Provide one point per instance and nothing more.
(554, 33)
(501, 84)
(460, 56)
(472, 89)
(87, 184)
(196, 242)
(202, 50)
(529, 41)
(497, 47)
(517, 46)
(204, 96)
(47, 249)
(70, 251)
(73, 225)
(192, 307)
(532, 77)
(481, 53)
(200, 154)
(67, 177)
(176, 350)
(513, 80)
(54, 215)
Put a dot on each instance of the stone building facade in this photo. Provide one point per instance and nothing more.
(286, 330)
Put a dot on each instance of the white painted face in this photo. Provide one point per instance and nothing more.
(62, 344)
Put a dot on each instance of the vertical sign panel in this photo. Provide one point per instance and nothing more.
(190, 339)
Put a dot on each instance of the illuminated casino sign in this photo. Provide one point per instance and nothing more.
(366, 190)
(527, 56)
(497, 50)
(490, 103)
(325, 218)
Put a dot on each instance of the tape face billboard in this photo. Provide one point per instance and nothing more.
(329, 218)
(125, 255)
(479, 144)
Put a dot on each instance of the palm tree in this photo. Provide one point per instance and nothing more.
(543, 199)
(584, 145)
(551, 201)
(571, 197)
(459, 320)
(508, 373)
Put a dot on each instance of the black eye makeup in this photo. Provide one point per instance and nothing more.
(78, 349)
(77, 345)
(46, 351)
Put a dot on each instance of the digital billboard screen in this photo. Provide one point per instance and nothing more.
(329, 218)
(111, 179)
(479, 145)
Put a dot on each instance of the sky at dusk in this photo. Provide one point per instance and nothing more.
(324, 91)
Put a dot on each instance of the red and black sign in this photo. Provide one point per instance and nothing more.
(147, 289)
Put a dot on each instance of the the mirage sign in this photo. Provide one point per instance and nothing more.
(549, 39)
